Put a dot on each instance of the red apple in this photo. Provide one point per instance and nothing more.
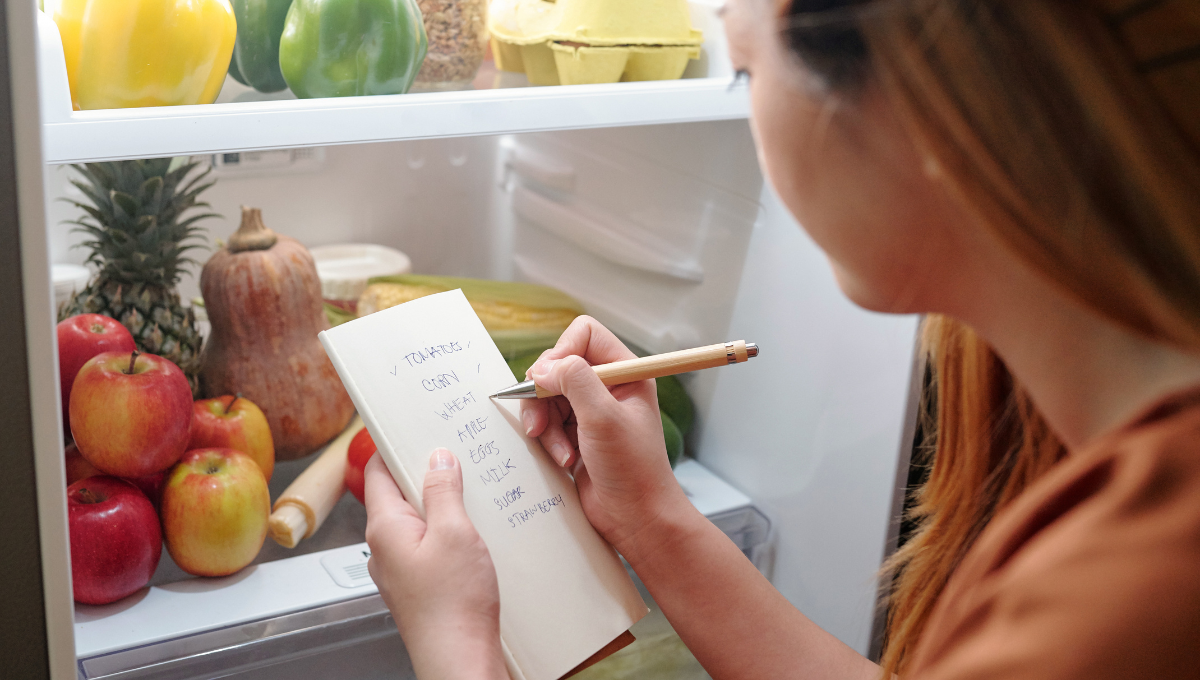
(131, 414)
(115, 539)
(214, 511)
(234, 423)
(151, 485)
(77, 466)
(80, 338)
(362, 447)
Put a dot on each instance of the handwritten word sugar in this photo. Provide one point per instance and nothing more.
(508, 498)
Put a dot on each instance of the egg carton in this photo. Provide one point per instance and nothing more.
(573, 42)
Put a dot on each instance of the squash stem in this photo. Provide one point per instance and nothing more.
(252, 234)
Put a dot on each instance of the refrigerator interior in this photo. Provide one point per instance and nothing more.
(670, 237)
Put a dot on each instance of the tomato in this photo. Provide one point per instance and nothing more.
(362, 447)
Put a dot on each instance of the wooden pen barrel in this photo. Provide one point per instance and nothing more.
(671, 363)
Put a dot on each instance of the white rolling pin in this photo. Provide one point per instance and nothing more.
(303, 506)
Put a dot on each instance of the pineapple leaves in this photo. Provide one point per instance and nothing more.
(134, 218)
(151, 195)
(127, 206)
(88, 190)
(186, 225)
(96, 214)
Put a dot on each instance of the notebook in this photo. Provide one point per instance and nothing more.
(420, 374)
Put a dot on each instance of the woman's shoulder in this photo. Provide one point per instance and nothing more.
(1093, 572)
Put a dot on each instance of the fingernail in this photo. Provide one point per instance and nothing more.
(561, 454)
(441, 459)
(527, 421)
(540, 368)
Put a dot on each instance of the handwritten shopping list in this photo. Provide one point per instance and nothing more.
(420, 375)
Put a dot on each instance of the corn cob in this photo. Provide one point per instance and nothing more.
(520, 317)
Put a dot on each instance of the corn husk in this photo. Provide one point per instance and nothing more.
(520, 317)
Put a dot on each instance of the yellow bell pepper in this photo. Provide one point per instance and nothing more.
(125, 53)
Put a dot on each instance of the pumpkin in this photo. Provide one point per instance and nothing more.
(263, 299)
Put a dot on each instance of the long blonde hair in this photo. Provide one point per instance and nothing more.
(1071, 129)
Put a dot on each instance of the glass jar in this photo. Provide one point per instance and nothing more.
(458, 39)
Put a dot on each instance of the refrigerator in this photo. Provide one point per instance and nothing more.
(643, 200)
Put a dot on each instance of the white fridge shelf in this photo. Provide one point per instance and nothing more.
(505, 105)
(276, 611)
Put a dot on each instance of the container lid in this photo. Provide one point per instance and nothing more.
(68, 280)
(593, 22)
(345, 267)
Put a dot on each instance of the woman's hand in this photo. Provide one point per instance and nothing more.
(613, 440)
(435, 574)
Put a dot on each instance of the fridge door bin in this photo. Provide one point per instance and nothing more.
(750, 530)
(653, 253)
(731, 510)
(242, 649)
(607, 239)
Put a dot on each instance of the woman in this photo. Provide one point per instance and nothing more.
(1027, 172)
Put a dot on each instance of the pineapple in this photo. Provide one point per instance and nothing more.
(138, 240)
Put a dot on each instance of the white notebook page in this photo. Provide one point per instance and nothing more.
(420, 375)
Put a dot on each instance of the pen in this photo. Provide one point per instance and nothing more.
(657, 366)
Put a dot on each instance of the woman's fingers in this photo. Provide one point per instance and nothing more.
(387, 511)
(535, 415)
(585, 337)
(553, 438)
(574, 379)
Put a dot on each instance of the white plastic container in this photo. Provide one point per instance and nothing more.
(345, 268)
(69, 279)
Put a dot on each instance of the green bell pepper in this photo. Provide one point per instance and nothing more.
(235, 73)
(340, 48)
(256, 53)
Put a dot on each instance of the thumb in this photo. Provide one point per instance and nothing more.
(443, 493)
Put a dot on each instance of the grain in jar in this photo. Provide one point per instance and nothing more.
(458, 38)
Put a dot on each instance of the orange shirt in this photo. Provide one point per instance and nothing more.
(1093, 572)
